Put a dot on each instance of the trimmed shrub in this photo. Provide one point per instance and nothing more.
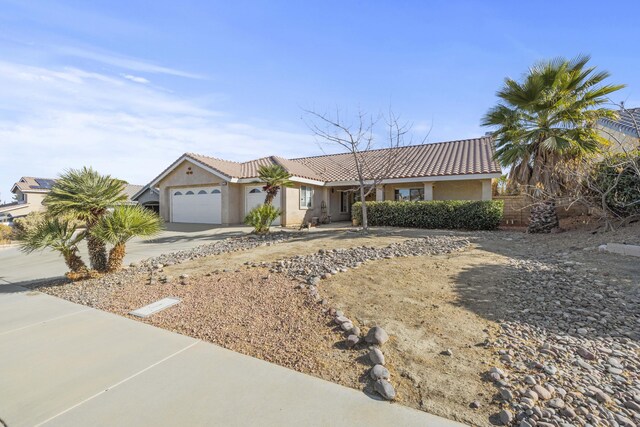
(445, 214)
(261, 217)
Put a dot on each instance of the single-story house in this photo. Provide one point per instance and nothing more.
(148, 197)
(201, 189)
(30, 192)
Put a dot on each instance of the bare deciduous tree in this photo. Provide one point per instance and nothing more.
(359, 138)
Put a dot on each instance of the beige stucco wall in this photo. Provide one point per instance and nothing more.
(619, 141)
(179, 178)
(447, 190)
(458, 190)
(293, 215)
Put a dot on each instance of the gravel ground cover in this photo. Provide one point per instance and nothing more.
(249, 311)
(518, 330)
(569, 343)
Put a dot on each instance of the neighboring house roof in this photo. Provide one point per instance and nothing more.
(142, 190)
(28, 184)
(6, 207)
(627, 123)
(31, 184)
(464, 157)
(131, 190)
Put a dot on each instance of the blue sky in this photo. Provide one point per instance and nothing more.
(129, 86)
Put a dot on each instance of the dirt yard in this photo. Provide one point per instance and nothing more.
(415, 300)
(458, 302)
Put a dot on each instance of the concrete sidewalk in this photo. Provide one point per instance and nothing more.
(63, 364)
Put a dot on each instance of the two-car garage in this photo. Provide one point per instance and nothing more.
(203, 205)
(197, 205)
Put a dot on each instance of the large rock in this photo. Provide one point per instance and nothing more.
(377, 335)
(385, 389)
(506, 417)
(376, 356)
(352, 341)
(379, 372)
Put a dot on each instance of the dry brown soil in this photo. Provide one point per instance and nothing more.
(414, 300)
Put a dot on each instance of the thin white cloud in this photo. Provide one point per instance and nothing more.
(133, 64)
(136, 79)
(53, 119)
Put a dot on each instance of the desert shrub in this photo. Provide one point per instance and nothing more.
(27, 223)
(618, 174)
(446, 214)
(261, 217)
(6, 233)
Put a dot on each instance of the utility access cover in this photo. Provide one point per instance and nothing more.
(154, 307)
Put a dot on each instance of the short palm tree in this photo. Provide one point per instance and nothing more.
(547, 120)
(274, 177)
(120, 226)
(59, 234)
(86, 195)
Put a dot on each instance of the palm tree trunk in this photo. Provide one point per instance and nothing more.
(74, 262)
(269, 198)
(544, 217)
(97, 253)
(116, 257)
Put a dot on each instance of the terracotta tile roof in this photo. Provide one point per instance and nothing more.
(250, 168)
(464, 157)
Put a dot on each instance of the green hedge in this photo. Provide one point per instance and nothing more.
(446, 214)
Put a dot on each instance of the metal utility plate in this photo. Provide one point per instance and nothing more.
(155, 307)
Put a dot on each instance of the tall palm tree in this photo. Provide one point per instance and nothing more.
(274, 177)
(86, 195)
(547, 120)
(120, 226)
(58, 234)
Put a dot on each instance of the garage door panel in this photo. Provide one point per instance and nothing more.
(197, 205)
(255, 195)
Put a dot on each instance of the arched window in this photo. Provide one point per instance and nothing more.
(189, 193)
(202, 192)
(216, 191)
(177, 193)
(255, 191)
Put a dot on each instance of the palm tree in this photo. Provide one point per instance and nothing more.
(274, 178)
(86, 195)
(547, 120)
(120, 226)
(58, 234)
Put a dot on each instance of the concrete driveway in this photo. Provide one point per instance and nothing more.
(19, 268)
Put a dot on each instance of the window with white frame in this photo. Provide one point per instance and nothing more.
(306, 197)
(345, 201)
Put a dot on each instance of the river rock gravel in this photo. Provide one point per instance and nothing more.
(574, 334)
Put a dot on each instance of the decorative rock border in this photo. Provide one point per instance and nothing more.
(310, 270)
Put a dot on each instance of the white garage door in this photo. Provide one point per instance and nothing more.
(198, 204)
(254, 196)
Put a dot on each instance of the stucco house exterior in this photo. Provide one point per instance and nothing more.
(201, 189)
(623, 132)
(30, 192)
